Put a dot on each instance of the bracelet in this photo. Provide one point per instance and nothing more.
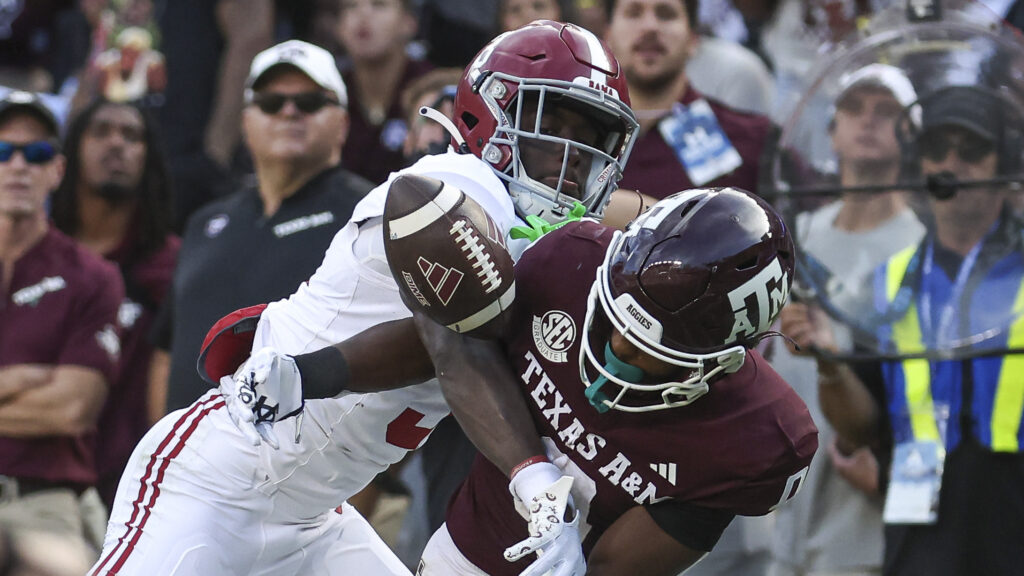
(528, 462)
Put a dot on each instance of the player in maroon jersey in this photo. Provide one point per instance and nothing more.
(634, 352)
(647, 392)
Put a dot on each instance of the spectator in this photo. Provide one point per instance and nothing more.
(592, 15)
(836, 528)
(435, 89)
(207, 46)
(474, 21)
(59, 343)
(686, 139)
(375, 34)
(954, 423)
(42, 42)
(732, 74)
(514, 14)
(32, 553)
(115, 200)
(259, 243)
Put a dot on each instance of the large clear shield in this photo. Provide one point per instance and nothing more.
(908, 135)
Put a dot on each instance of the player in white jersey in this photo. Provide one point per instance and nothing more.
(542, 126)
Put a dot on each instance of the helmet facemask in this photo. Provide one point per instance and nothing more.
(612, 386)
(599, 159)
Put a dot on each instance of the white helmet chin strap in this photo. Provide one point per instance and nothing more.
(444, 121)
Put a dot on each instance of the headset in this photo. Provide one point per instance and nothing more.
(1009, 137)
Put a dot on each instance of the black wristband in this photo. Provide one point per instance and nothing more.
(324, 373)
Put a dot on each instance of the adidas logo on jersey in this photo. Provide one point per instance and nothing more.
(666, 471)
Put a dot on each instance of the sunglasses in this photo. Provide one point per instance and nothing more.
(969, 147)
(306, 102)
(39, 152)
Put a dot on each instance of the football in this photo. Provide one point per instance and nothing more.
(447, 256)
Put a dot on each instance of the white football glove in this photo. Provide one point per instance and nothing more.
(265, 389)
(556, 541)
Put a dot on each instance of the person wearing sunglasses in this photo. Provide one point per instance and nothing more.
(949, 423)
(59, 340)
(295, 124)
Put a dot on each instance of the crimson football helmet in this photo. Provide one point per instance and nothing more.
(694, 282)
(550, 65)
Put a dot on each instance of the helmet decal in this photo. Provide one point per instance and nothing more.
(761, 297)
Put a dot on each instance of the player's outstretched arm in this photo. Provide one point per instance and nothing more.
(483, 394)
(270, 386)
(383, 357)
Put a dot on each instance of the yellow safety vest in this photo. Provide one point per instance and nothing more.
(906, 334)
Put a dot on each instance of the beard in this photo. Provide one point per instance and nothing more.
(116, 193)
(654, 83)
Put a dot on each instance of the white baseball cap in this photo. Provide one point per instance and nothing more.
(885, 77)
(311, 60)
(32, 103)
(882, 76)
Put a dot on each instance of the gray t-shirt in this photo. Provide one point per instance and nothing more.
(832, 526)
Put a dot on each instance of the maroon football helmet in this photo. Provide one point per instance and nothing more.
(549, 64)
(694, 282)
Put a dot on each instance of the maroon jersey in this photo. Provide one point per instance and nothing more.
(654, 168)
(125, 416)
(61, 309)
(742, 448)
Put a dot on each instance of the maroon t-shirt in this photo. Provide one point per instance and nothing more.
(124, 420)
(735, 449)
(61, 309)
(654, 168)
(374, 151)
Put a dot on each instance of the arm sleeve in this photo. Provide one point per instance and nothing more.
(691, 525)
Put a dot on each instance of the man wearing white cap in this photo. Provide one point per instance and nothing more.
(295, 124)
(836, 528)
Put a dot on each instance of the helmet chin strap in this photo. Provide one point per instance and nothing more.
(615, 367)
(447, 124)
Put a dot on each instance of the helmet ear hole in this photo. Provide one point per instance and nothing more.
(747, 264)
(470, 120)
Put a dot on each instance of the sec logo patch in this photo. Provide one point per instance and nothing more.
(553, 334)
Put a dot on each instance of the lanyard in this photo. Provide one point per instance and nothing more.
(949, 309)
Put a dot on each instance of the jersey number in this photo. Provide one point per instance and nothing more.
(793, 485)
(404, 432)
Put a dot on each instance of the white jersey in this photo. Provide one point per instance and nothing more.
(346, 441)
(196, 498)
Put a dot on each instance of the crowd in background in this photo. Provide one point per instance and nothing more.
(171, 176)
